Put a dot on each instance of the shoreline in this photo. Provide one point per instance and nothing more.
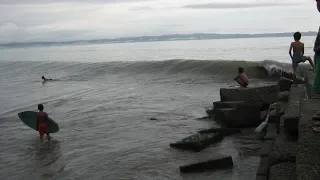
(294, 152)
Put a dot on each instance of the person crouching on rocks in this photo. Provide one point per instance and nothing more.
(242, 78)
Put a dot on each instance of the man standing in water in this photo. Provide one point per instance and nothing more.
(42, 120)
(316, 49)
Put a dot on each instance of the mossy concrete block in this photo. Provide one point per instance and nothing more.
(197, 142)
(219, 163)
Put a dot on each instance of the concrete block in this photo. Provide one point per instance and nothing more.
(266, 148)
(220, 163)
(263, 169)
(263, 94)
(292, 114)
(262, 178)
(239, 118)
(197, 142)
(285, 84)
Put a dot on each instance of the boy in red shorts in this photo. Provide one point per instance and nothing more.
(42, 120)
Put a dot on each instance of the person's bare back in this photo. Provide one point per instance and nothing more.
(297, 47)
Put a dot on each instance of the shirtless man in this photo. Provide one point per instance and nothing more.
(242, 78)
(42, 120)
(297, 57)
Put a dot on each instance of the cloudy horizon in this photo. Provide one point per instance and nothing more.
(68, 20)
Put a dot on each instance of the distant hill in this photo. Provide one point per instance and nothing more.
(172, 37)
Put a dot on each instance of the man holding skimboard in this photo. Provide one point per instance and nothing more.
(42, 122)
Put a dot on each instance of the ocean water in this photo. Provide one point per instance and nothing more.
(104, 96)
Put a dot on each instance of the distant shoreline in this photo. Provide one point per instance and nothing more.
(173, 37)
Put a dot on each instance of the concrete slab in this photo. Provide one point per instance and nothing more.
(283, 171)
(220, 163)
(292, 114)
(283, 150)
(266, 148)
(263, 169)
(308, 149)
(263, 94)
(262, 178)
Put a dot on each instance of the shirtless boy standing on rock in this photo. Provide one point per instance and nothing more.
(297, 57)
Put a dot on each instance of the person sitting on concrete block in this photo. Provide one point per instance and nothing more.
(242, 78)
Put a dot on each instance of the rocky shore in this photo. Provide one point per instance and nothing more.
(294, 153)
(282, 114)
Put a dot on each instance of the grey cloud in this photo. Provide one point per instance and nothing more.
(232, 5)
(13, 2)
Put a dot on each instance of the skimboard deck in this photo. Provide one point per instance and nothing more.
(29, 118)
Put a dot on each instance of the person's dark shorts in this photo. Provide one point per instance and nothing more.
(296, 59)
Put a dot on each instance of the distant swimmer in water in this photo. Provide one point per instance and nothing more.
(242, 78)
(45, 79)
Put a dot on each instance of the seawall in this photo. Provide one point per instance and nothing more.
(294, 151)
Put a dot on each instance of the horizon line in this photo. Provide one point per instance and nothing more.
(165, 37)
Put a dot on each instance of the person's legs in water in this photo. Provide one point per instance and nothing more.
(43, 129)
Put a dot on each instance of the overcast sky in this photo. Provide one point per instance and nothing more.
(63, 20)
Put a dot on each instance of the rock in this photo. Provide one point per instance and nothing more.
(284, 96)
(153, 119)
(283, 171)
(222, 131)
(197, 142)
(239, 118)
(289, 76)
(203, 118)
(285, 84)
(221, 163)
(262, 94)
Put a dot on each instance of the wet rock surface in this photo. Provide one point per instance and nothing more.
(219, 163)
(197, 142)
(222, 131)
